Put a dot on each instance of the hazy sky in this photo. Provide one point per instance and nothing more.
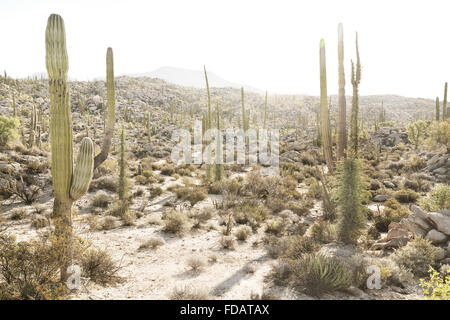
(274, 45)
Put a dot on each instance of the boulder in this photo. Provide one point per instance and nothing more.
(435, 236)
(389, 184)
(418, 211)
(381, 198)
(440, 254)
(440, 221)
(396, 233)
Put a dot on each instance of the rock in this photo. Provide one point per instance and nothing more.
(389, 184)
(396, 233)
(440, 254)
(448, 248)
(445, 261)
(441, 222)
(445, 212)
(393, 243)
(420, 222)
(435, 236)
(356, 292)
(418, 211)
(381, 198)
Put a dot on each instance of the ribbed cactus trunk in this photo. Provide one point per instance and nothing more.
(444, 104)
(111, 118)
(219, 148)
(209, 123)
(69, 185)
(437, 109)
(324, 112)
(356, 78)
(342, 108)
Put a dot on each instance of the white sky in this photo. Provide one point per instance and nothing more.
(274, 45)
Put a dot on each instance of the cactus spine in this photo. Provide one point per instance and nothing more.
(68, 184)
(342, 123)
(437, 109)
(356, 78)
(324, 111)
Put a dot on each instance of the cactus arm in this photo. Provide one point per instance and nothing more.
(84, 170)
(111, 98)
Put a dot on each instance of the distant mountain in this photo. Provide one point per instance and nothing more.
(192, 78)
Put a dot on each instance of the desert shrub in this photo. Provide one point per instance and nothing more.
(406, 196)
(101, 200)
(251, 212)
(276, 226)
(307, 159)
(109, 223)
(155, 192)
(243, 232)
(196, 263)
(300, 208)
(98, 266)
(176, 222)
(319, 274)
(39, 222)
(290, 247)
(416, 132)
(8, 130)
(228, 242)
(393, 212)
(106, 183)
(437, 199)
(37, 167)
(439, 135)
(29, 270)
(18, 214)
(314, 190)
(188, 293)
(323, 232)
(152, 243)
(437, 286)
(191, 193)
(415, 164)
(418, 255)
(108, 167)
(168, 169)
(227, 186)
(411, 184)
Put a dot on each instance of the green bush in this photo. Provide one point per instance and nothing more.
(8, 130)
(438, 199)
(393, 212)
(406, 196)
(437, 287)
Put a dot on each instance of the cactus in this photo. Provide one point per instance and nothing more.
(356, 78)
(244, 121)
(437, 109)
(444, 104)
(324, 111)
(209, 123)
(265, 112)
(14, 105)
(123, 185)
(68, 184)
(219, 155)
(342, 123)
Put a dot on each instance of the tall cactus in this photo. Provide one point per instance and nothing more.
(208, 123)
(342, 123)
(111, 101)
(324, 111)
(219, 155)
(437, 109)
(244, 121)
(444, 104)
(356, 78)
(265, 112)
(69, 185)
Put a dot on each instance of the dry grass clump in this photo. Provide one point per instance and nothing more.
(106, 183)
(196, 263)
(276, 226)
(152, 243)
(39, 222)
(176, 222)
(18, 214)
(109, 223)
(323, 232)
(290, 247)
(251, 212)
(228, 242)
(188, 293)
(155, 192)
(98, 266)
(243, 232)
(101, 200)
(193, 194)
(406, 196)
(393, 212)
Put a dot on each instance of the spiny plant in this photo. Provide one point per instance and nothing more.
(219, 155)
(123, 185)
(209, 125)
(69, 184)
(416, 132)
(324, 111)
(444, 105)
(265, 112)
(437, 109)
(342, 123)
(356, 78)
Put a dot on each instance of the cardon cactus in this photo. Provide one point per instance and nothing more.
(69, 185)
(324, 112)
(342, 123)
